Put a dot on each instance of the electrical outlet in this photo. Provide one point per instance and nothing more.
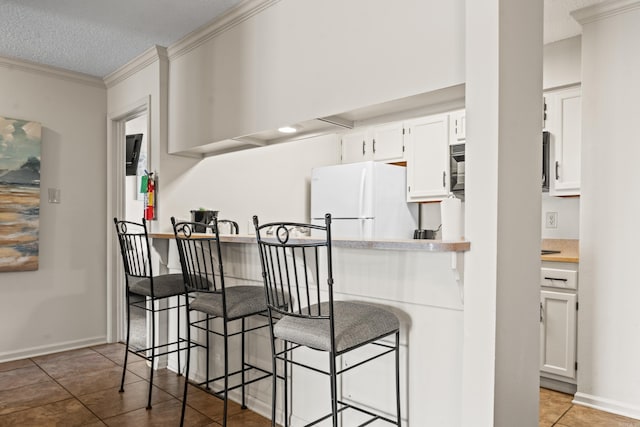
(551, 220)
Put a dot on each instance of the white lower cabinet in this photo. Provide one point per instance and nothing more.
(558, 324)
(558, 333)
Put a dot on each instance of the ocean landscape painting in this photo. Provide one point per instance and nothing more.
(20, 142)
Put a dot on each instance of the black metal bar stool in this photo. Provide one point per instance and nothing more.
(303, 313)
(202, 267)
(139, 279)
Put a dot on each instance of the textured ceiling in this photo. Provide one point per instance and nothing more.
(97, 37)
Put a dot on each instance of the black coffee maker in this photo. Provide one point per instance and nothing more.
(204, 217)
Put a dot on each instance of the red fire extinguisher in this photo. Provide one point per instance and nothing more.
(150, 202)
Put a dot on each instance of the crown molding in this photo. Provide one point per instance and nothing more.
(50, 71)
(604, 10)
(237, 15)
(151, 55)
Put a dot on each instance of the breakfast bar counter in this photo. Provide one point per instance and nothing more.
(420, 281)
(398, 244)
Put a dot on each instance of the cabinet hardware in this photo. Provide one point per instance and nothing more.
(374, 146)
(403, 148)
(557, 174)
(576, 365)
(541, 310)
(409, 189)
(363, 147)
(444, 179)
(576, 305)
(555, 278)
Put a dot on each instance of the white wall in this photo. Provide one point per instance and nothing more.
(62, 304)
(562, 63)
(568, 210)
(302, 59)
(271, 182)
(562, 67)
(501, 286)
(609, 319)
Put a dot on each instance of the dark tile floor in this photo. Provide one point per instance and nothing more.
(80, 388)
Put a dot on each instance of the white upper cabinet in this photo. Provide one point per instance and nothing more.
(458, 123)
(357, 146)
(388, 142)
(564, 113)
(427, 142)
(383, 143)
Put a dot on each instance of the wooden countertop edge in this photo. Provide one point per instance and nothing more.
(560, 258)
(408, 244)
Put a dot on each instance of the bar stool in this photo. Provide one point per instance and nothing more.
(139, 279)
(202, 268)
(309, 317)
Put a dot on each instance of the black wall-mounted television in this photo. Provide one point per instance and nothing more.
(133, 153)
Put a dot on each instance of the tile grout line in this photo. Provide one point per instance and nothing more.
(73, 396)
(178, 398)
(563, 414)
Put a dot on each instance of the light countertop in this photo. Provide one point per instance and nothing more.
(569, 250)
(408, 244)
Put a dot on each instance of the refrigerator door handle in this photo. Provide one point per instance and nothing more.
(363, 178)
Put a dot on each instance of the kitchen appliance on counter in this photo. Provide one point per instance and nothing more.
(203, 216)
(366, 200)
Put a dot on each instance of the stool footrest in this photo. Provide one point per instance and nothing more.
(265, 374)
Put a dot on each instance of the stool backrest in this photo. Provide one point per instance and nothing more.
(134, 248)
(200, 257)
(297, 271)
(233, 226)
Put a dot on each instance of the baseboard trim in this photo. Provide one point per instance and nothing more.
(557, 385)
(52, 348)
(607, 405)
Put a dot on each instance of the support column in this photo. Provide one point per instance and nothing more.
(503, 204)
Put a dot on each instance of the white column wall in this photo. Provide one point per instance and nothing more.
(609, 319)
(504, 111)
(62, 305)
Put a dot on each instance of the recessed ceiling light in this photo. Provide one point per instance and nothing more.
(287, 129)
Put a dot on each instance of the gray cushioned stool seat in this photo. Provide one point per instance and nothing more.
(241, 301)
(355, 323)
(164, 285)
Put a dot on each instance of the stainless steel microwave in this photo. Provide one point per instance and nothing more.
(456, 169)
(456, 165)
(545, 161)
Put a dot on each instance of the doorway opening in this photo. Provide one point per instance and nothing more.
(123, 202)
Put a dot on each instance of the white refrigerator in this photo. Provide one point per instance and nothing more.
(366, 201)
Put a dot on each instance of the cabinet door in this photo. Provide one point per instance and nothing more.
(388, 142)
(565, 114)
(558, 333)
(356, 147)
(428, 158)
(458, 127)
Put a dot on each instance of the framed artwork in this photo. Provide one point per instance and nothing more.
(20, 142)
